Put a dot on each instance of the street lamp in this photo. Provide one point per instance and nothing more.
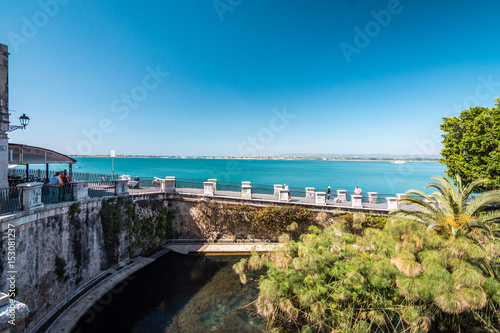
(24, 120)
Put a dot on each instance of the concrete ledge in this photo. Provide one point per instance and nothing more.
(222, 248)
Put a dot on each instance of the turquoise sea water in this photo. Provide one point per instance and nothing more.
(370, 176)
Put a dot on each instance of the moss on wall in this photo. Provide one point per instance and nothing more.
(150, 224)
(145, 224)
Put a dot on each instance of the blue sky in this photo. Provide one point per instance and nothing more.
(245, 78)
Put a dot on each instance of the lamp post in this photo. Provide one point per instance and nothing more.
(24, 120)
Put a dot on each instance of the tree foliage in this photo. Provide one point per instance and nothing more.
(451, 211)
(472, 145)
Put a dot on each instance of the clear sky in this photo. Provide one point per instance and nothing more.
(244, 78)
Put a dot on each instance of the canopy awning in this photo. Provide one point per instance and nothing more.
(24, 154)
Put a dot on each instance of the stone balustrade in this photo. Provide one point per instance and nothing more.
(32, 195)
(357, 201)
(246, 191)
(372, 197)
(341, 196)
(310, 192)
(392, 203)
(121, 187)
(80, 190)
(214, 183)
(167, 185)
(208, 188)
(320, 198)
(277, 188)
(284, 195)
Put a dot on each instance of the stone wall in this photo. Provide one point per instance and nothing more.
(4, 113)
(61, 247)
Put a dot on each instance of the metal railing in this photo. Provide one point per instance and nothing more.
(229, 186)
(11, 199)
(189, 183)
(55, 194)
(101, 188)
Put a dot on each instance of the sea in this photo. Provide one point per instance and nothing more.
(383, 177)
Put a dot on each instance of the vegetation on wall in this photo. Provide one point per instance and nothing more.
(111, 217)
(414, 275)
(149, 224)
(74, 209)
(60, 269)
(216, 220)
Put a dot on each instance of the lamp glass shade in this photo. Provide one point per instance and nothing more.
(24, 120)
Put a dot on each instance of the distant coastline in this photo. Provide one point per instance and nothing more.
(274, 158)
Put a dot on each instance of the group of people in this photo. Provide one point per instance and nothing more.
(357, 191)
(59, 179)
(57, 191)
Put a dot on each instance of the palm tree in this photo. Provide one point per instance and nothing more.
(451, 211)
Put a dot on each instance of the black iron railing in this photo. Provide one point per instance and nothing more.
(54, 194)
(101, 188)
(189, 183)
(262, 189)
(228, 186)
(11, 199)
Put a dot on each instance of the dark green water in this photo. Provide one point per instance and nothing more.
(177, 293)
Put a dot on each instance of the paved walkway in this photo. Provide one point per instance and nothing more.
(272, 199)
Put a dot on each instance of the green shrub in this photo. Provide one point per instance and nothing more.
(401, 278)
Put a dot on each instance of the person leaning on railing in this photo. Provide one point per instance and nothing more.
(64, 181)
(54, 183)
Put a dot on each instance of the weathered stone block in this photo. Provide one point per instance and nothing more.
(246, 192)
(214, 183)
(208, 188)
(320, 198)
(392, 203)
(341, 196)
(80, 190)
(284, 195)
(32, 195)
(121, 186)
(357, 201)
(167, 185)
(277, 188)
(372, 197)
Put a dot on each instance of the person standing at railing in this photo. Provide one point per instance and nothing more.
(64, 185)
(286, 188)
(328, 193)
(54, 184)
(357, 191)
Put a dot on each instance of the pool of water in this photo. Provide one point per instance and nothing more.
(178, 293)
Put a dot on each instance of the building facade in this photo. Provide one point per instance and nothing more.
(4, 114)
